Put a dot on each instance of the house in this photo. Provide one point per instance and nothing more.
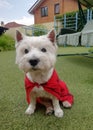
(13, 25)
(45, 10)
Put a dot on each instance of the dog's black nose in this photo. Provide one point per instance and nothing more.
(33, 62)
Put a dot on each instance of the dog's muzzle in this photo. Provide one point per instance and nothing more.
(34, 62)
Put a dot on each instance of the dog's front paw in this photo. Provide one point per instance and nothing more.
(29, 111)
(66, 104)
(59, 113)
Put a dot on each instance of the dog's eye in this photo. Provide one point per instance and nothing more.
(43, 50)
(26, 51)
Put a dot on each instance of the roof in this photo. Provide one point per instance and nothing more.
(13, 25)
(87, 3)
(34, 6)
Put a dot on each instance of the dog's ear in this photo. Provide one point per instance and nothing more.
(52, 36)
(19, 36)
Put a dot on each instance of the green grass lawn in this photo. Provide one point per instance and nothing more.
(76, 71)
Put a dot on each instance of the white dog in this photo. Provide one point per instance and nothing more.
(36, 56)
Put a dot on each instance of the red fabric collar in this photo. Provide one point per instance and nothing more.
(54, 86)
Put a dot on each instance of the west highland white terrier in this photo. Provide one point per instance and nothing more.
(36, 56)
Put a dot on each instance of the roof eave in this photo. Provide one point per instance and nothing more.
(87, 3)
(34, 6)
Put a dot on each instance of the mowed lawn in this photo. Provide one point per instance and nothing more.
(76, 71)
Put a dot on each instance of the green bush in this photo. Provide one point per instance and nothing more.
(6, 43)
(39, 30)
(70, 14)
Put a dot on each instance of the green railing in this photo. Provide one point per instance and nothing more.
(72, 20)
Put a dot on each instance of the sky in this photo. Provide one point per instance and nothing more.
(16, 11)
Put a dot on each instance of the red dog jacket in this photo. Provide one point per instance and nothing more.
(54, 86)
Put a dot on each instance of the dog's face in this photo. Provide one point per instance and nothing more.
(36, 53)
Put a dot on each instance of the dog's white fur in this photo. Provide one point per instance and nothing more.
(44, 49)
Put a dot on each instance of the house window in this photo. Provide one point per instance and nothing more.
(56, 8)
(44, 11)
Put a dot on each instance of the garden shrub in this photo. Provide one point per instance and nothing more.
(6, 43)
(39, 29)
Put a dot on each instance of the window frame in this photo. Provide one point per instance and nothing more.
(44, 11)
(57, 8)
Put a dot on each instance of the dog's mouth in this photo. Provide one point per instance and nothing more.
(35, 69)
